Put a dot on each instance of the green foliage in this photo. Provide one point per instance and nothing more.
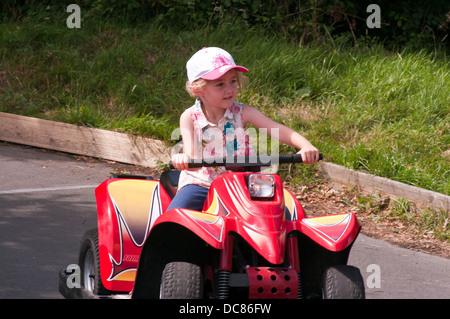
(415, 24)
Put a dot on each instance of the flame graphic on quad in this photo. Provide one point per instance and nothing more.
(137, 205)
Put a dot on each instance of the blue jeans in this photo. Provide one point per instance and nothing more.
(190, 197)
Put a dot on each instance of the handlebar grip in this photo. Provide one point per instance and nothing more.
(294, 158)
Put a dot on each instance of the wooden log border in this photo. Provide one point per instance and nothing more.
(80, 140)
(372, 183)
(149, 152)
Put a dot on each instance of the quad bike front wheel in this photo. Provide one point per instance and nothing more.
(89, 262)
(181, 280)
(342, 282)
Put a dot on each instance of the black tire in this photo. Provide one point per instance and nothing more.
(89, 262)
(181, 280)
(342, 282)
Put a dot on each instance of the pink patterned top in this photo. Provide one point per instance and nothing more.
(227, 138)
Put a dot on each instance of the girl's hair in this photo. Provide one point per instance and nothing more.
(201, 83)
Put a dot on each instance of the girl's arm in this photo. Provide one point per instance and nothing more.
(180, 161)
(286, 135)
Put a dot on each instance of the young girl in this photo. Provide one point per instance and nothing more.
(215, 126)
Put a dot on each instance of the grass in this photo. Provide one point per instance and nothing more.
(382, 112)
(424, 221)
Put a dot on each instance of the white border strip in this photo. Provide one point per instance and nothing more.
(46, 189)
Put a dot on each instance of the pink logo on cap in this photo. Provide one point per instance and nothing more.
(220, 61)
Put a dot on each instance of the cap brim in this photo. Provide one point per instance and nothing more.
(219, 72)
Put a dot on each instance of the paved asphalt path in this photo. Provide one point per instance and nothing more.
(47, 203)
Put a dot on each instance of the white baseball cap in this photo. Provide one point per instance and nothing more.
(210, 64)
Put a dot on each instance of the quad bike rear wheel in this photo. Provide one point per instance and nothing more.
(181, 280)
(342, 282)
(89, 262)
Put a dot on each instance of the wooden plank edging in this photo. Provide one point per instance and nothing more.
(82, 140)
(148, 152)
(372, 183)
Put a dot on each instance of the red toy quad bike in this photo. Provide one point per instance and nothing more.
(252, 240)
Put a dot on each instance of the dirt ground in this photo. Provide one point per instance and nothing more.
(323, 199)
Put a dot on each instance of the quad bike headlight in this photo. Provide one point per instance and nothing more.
(261, 185)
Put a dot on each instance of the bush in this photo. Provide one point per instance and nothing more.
(418, 24)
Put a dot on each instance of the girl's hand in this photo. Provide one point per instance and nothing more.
(310, 154)
(180, 161)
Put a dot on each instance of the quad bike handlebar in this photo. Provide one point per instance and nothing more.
(246, 161)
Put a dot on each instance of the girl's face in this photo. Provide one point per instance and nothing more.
(220, 93)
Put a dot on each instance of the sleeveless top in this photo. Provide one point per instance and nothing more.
(228, 138)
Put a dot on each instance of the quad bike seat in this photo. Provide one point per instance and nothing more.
(169, 180)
